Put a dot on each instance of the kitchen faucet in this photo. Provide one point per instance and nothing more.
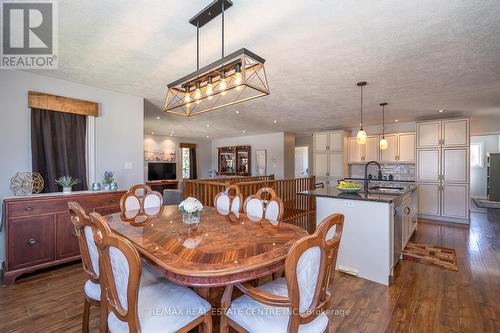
(366, 174)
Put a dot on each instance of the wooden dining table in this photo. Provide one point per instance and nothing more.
(220, 250)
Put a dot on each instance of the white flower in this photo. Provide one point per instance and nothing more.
(191, 205)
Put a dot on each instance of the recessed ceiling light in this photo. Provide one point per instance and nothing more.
(396, 120)
(275, 121)
(152, 133)
(207, 125)
(158, 118)
(440, 111)
(243, 132)
(171, 135)
(207, 136)
(237, 112)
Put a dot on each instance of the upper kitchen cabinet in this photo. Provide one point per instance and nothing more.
(455, 132)
(445, 133)
(390, 155)
(406, 147)
(321, 141)
(372, 148)
(400, 148)
(355, 151)
(429, 134)
(329, 141)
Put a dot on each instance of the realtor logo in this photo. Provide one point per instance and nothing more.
(29, 34)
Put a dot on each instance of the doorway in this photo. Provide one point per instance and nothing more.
(301, 161)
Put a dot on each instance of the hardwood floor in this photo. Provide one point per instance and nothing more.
(422, 298)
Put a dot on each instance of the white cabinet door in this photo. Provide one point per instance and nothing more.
(406, 144)
(355, 151)
(372, 149)
(321, 164)
(455, 165)
(428, 199)
(428, 167)
(429, 134)
(456, 201)
(336, 164)
(320, 141)
(390, 154)
(456, 132)
(337, 141)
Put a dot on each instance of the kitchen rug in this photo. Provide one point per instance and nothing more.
(482, 203)
(431, 255)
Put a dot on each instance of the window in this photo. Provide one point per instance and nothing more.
(185, 163)
(188, 160)
(477, 155)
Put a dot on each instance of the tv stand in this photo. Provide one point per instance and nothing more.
(160, 185)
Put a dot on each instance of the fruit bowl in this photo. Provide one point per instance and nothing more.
(349, 190)
(349, 187)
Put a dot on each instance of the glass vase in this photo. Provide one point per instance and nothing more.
(191, 218)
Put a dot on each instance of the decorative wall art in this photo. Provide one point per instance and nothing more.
(155, 155)
(26, 183)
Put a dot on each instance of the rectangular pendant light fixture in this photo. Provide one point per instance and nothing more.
(235, 78)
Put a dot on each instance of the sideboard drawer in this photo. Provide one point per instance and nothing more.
(30, 241)
(32, 208)
(103, 200)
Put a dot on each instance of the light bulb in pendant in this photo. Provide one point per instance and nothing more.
(222, 82)
(384, 144)
(210, 88)
(187, 97)
(237, 75)
(197, 92)
(361, 137)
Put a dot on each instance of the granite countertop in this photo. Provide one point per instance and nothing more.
(333, 192)
(373, 180)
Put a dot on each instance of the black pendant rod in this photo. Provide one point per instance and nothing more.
(197, 46)
(361, 85)
(222, 29)
(383, 119)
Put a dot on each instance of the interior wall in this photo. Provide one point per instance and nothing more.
(478, 176)
(119, 128)
(273, 143)
(171, 143)
(289, 155)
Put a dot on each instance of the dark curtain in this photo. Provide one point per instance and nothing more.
(58, 147)
(193, 173)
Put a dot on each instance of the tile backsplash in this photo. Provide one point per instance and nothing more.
(399, 171)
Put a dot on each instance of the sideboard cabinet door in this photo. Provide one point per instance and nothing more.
(31, 241)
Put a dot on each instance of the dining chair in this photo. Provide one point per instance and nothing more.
(296, 302)
(229, 201)
(140, 197)
(264, 205)
(90, 259)
(135, 305)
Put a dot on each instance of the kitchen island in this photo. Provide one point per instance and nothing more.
(376, 228)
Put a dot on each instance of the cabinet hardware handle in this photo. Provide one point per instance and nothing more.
(31, 241)
(28, 209)
(74, 234)
(407, 210)
(112, 200)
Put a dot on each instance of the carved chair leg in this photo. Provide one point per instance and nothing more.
(207, 322)
(86, 316)
(103, 318)
(225, 304)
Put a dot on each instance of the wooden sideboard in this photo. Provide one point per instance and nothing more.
(39, 233)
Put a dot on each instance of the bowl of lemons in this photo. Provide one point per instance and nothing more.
(349, 187)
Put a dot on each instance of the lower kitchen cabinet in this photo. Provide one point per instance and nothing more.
(455, 200)
(429, 199)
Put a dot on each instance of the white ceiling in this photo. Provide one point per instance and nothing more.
(419, 56)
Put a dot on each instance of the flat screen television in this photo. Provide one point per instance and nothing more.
(161, 171)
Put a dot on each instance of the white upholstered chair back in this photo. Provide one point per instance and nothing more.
(309, 267)
(264, 205)
(140, 197)
(229, 201)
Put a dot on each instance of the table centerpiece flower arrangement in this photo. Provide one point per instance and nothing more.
(191, 209)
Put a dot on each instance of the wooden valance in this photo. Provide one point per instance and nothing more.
(39, 100)
(187, 145)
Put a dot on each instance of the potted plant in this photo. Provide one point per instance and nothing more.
(67, 182)
(109, 181)
(191, 209)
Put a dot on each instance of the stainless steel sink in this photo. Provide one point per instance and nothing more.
(386, 189)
